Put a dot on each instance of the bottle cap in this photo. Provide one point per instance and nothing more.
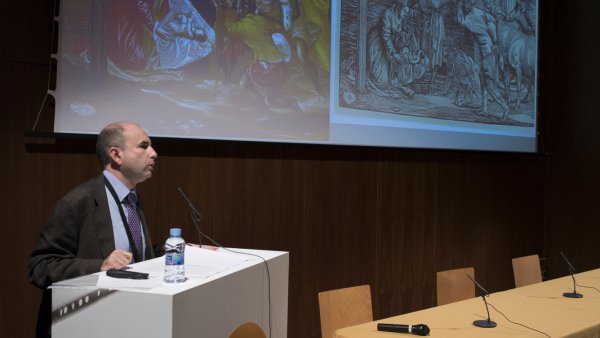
(175, 232)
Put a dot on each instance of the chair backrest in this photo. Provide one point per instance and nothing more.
(527, 270)
(454, 285)
(248, 330)
(344, 307)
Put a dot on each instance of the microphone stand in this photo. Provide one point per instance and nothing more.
(196, 221)
(195, 216)
(484, 323)
(573, 294)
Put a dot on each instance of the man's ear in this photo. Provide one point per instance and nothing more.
(115, 155)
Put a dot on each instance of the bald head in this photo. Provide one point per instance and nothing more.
(113, 135)
(125, 150)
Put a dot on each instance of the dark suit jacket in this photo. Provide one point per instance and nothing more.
(77, 237)
(75, 242)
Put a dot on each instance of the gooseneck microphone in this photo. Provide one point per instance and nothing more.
(195, 216)
(573, 294)
(483, 291)
(485, 323)
(419, 329)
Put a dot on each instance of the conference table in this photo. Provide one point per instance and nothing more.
(540, 306)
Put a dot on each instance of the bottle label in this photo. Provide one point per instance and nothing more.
(174, 259)
(174, 254)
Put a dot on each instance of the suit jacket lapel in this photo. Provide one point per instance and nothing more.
(102, 220)
(149, 253)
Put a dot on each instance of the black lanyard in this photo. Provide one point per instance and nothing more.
(136, 256)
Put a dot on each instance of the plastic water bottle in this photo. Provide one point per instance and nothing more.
(174, 255)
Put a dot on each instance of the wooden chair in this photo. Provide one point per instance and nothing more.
(344, 307)
(454, 285)
(527, 270)
(248, 330)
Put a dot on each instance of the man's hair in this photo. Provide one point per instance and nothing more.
(113, 135)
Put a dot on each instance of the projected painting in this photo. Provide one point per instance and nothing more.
(235, 69)
(440, 63)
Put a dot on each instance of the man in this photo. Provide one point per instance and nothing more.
(482, 24)
(434, 33)
(95, 227)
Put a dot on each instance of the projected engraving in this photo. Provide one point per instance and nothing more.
(443, 61)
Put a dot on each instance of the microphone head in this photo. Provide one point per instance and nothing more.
(484, 292)
(420, 329)
(571, 268)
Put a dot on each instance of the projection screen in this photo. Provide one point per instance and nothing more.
(445, 74)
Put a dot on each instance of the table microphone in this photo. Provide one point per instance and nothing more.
(573, 294)
(419, 329)
(485, 323)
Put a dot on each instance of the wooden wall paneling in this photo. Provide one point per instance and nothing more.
(572, 196)
(408, 212)
(501, 186)
(527, 229)
(28, 181)
(572, 138)
(258, 199)
(28, 27)
(163, 204)
(337, 240)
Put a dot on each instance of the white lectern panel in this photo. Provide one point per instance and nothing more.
(201, 307)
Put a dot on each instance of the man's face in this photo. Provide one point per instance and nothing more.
(138, 157)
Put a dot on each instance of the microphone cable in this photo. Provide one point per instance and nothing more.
(196, 220)
(587, 287)
(523, 325)
(255, 255)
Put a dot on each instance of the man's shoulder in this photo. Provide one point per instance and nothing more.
(86, 189)
(93, 183)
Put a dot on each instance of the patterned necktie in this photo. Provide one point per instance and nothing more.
(135, 223)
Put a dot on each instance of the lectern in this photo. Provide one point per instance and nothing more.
(212, 306)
